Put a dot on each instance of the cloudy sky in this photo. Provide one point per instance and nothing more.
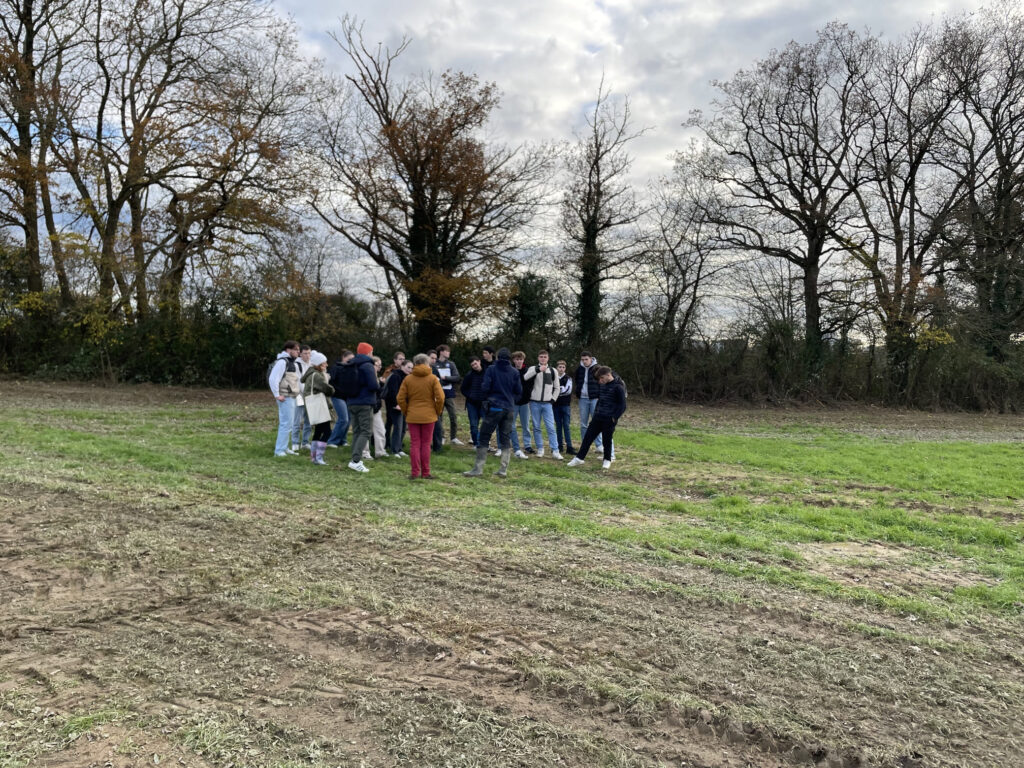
(548, 56)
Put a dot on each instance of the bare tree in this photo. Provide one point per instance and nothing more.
(34, 37)
(682, 258)
(983, 138)
(905, 196)
(413, 184)
(600, 206)
(782, 133)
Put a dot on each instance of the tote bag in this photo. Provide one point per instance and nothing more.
(317, 408)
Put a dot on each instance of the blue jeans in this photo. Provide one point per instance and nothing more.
(523, 414)
(587, 407)
(543, 412)
(473, 411)
(341, 426)
(302, 430)
(285, 419)
(563, 419)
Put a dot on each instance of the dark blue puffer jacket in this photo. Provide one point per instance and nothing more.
(611, 402)
(473, 386)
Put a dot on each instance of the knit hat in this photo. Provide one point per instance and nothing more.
(317, 358)
(504, 354)
(364, 349)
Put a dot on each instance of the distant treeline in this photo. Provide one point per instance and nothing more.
(179, 189)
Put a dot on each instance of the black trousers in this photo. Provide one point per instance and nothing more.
(501, 419)
(598, 426)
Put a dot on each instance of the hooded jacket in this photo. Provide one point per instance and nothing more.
(368, 383)
(503, 385)
(420, 397)
(593, 386)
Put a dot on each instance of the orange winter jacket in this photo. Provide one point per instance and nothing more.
(420, 397)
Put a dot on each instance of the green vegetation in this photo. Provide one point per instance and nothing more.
(750, 579)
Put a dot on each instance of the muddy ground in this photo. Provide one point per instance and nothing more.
(148, 628)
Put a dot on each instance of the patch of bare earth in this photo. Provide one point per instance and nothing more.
(255, 639)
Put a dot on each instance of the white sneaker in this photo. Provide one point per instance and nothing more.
(367, 457)
(575, 462)
(280, 455)
(606, 465)
(331, 445)
(401, 455)
(295, 447)
(497, 454)
(557, 455)
(456, 441)
(521, 455)
(540, 453)
(357, 466)
(303, 447)
(613, 457)
(291, 452)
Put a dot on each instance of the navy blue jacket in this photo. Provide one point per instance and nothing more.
(391, 387)
(367, 380)
(593, 386)
(611, 402)
(502, 385)
(473, 386)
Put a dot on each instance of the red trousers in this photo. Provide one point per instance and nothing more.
(419, 448)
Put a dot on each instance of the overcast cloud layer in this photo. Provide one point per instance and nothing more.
(548, 56)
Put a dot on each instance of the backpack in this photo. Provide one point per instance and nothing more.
(289, 366)
(348, 383)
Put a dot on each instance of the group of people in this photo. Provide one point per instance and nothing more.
(317, 405)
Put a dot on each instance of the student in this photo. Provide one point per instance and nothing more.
(283, 380)
(585, 386)
(611, 404)
(301, 429)
(337, 437)
(379, 439)
(563, 410)
(360, 406)
(314, 382)
(542, 381)
(473, 390)
(502, 387)
(395, 423)
(486, 357)
(422, 400)
(522, 407)
(446, 370)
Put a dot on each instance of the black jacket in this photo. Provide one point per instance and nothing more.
(593, 386)
(473, 386)
(524, 396)
(391, 387)
(611, 402)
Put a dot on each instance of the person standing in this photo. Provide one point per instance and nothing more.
(315, 382)
(502, 387)
(395, 423)
(486, 357)
(360, 406)
(379, 435)
(522, 407)
(446, 370)
(473, 390)
(301, 429)
(563, 409)
(542, 381)
(283, 380)
(422, 400)
(611, 404)
(586, 387)
(337, 438)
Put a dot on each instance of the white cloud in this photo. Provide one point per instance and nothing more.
(548, 56)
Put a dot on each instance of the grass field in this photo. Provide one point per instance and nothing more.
(743, 588)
